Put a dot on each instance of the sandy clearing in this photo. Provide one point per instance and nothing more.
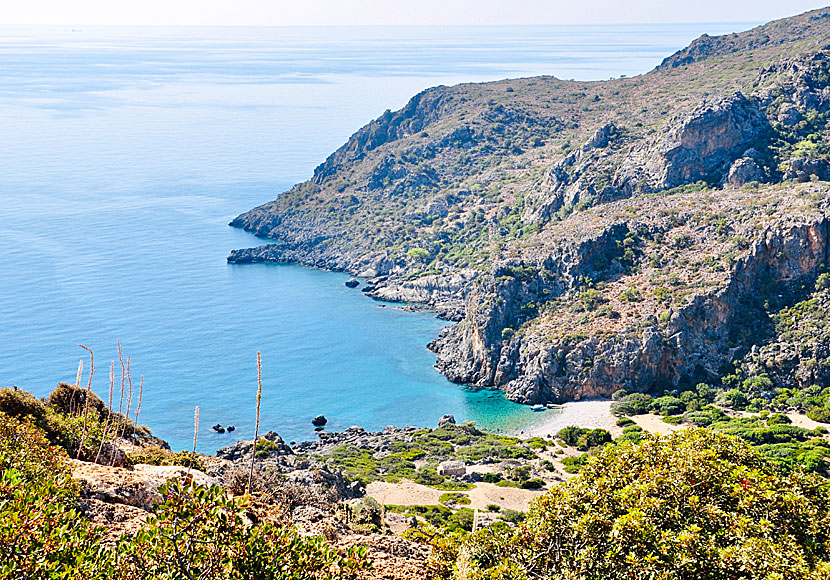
(403, 493)
(483, 494)
(512, 498)
(655, 424)
(801, 420)
(591, 414)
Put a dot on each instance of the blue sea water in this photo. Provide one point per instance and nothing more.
(126, 151)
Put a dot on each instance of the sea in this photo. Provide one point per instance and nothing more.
(126, 151)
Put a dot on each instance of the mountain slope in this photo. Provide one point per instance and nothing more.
(636, 233)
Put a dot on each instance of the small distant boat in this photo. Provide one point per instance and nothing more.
(538, 408)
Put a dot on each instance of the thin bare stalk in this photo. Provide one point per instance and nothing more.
(140, 395)
(129, 381)
(195, 437)
(109, 414)
(77, 384)
(86, 398)
(109, 403)
(256, 429)
(123, 375)
(129, 389)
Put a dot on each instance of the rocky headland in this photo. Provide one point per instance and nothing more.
(637, 233)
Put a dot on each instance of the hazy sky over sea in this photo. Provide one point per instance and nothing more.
(386, 12)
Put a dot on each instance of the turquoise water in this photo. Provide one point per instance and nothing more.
(126, 152)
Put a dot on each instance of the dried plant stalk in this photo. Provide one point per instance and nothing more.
(140, 395)
(109, 414)
(123, 375)
(195, 437)
(86, 398)
(77, 384)
(256, 429)
(129, 382)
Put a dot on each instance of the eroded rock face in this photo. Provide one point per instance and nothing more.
(699, 147)
(691, 344)
(575, 179)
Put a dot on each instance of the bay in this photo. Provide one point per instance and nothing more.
(127, 150)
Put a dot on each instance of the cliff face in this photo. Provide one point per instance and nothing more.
(634, 233)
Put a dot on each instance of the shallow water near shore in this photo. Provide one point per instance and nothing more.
(128, 150)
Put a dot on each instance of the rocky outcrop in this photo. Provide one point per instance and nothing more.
(269, 446)
(580, 178)
(691, 345)
(419, 113)
(699, 147)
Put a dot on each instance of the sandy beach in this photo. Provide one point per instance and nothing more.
(592, 414)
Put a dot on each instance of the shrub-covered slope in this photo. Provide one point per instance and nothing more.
(636, 233)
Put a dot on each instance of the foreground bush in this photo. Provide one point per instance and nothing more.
(692, 505)
(196, 532)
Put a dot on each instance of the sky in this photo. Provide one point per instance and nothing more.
(391, 12)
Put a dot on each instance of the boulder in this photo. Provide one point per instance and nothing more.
(743, 171)
(446, 420)
(352, 283)
(452, 468)
(319, 421)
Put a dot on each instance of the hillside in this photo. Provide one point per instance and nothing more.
(640, 233)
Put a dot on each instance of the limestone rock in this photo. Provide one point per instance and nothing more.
(743, 171)
(446, 420)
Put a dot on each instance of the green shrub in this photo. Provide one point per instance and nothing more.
(730, 513)
(159, 456)
(454, 498)
(819, 414)
(732, 398)
(668, 405)
(633, 404)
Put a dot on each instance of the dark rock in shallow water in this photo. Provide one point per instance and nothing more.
(446, 420)
(218, 428)
(319, 421)
(351, 283)
(231, 428)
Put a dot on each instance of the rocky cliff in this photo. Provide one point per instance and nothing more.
(637, 233)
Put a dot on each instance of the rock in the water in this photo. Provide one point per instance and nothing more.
(446, 420)
(319, 421)
(231, 428)
(352, 283)
(218, 428)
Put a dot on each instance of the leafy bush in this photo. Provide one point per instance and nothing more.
(454, 498)
(668, 405)
(200, 532)
(732, 398)
(730, 514)
(159, 456)
(819, 415)
(196, 531)
(633, 404)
